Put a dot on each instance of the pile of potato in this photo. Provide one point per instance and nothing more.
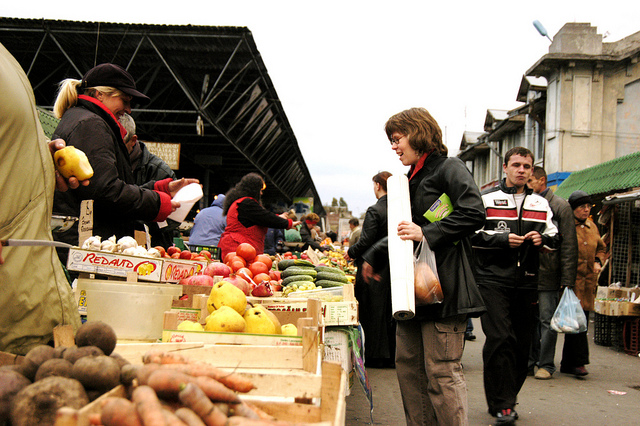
(47, 379)
(165, 389)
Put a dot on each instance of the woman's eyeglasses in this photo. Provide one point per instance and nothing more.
(396, 141)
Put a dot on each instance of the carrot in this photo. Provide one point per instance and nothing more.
(176, 360)
(250, 410)
(231, 380)
(119, 411)
(168, 383)
(148, 406)
(216, 391)
(189, 417)
(143, 372)
(195, 399)
(171, 419)
(158, 356)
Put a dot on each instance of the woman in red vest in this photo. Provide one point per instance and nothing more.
(247, 220)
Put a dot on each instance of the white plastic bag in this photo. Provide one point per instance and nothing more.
(427, 284)
(569, 317)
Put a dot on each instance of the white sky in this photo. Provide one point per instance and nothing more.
(341, 68)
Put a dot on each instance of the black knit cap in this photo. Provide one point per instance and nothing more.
(112, 75)
(578, 198)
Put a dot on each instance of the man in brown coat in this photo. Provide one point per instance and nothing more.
(591, 254)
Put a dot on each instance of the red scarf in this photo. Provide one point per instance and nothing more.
(416, 167)
(123, 131)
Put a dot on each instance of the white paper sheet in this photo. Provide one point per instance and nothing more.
(400, 252)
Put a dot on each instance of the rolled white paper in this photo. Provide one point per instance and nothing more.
(403, 301)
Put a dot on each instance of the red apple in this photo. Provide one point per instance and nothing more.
(173, 249)
(175, 255)
(274, 275)
(275, 285)
(240, 283)
(206, 253)
(185, 281)
(201, 279)
(161, 250)
(217, 268)
(185, 254)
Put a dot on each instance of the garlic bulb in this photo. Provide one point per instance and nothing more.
(129, 251)
(109, 245)
(153, 252)
(92, 243)
(140, 251)
(127, 242)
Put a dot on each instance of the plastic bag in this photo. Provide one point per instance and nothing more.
(426, 281)
(569, 317)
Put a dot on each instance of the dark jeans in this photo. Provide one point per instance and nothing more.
(575, 352)
(507, 325)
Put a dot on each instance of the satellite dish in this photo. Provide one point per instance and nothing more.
(541, 29)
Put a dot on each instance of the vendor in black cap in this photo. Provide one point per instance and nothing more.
(89, 110)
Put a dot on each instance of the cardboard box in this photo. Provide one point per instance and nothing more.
(630, 294)
(629, 309)
(173, 270)
(116, 265)
(602, 307)
(337, 348)
(615, 309)
(608, 293)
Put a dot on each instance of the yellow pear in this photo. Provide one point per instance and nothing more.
(289, 330)
(190, 326)
(225, 319)
(223, 293)
(274, 319)
(258, 322)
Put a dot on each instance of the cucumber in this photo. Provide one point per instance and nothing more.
(294, 278)
(298, 270)
(323, 268)
(332, 276)
(287, 263)
(329, 283)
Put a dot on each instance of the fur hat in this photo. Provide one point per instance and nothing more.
(578, 198)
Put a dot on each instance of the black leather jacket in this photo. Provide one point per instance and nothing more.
(448, 237)
(118, 202)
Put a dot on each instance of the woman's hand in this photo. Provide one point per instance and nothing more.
(409, 231)
(63, 184)
(176, 185)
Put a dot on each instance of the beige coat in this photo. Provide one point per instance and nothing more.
(590, 247)
(35, 295)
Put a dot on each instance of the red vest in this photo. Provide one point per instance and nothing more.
(236, 233)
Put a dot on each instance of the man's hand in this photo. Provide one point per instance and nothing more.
(597, 267)
(368, 274)
(63, 184)
(176, 185)
(409, 231)
(535, 238)
(515, 240)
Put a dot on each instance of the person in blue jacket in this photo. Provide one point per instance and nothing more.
(209, 224)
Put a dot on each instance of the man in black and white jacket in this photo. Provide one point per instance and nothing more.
(518, 226)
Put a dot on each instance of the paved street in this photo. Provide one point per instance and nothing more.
(563, 400)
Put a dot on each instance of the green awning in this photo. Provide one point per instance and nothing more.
(616, 175)
(49, 122)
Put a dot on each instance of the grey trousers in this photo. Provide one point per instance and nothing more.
(432, 384)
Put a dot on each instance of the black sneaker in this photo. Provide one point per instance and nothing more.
(506, 417)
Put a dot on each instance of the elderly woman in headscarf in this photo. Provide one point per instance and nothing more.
(591, 255)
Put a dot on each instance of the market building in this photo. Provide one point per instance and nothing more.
(580, 107)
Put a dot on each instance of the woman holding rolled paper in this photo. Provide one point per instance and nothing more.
(429, 346)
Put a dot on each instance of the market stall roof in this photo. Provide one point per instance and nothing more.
(615, 175)
(209, 89)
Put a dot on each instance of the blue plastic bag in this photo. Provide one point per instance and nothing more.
(569, 317)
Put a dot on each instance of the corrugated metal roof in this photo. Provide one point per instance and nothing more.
(209, 87)
(614, 175)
